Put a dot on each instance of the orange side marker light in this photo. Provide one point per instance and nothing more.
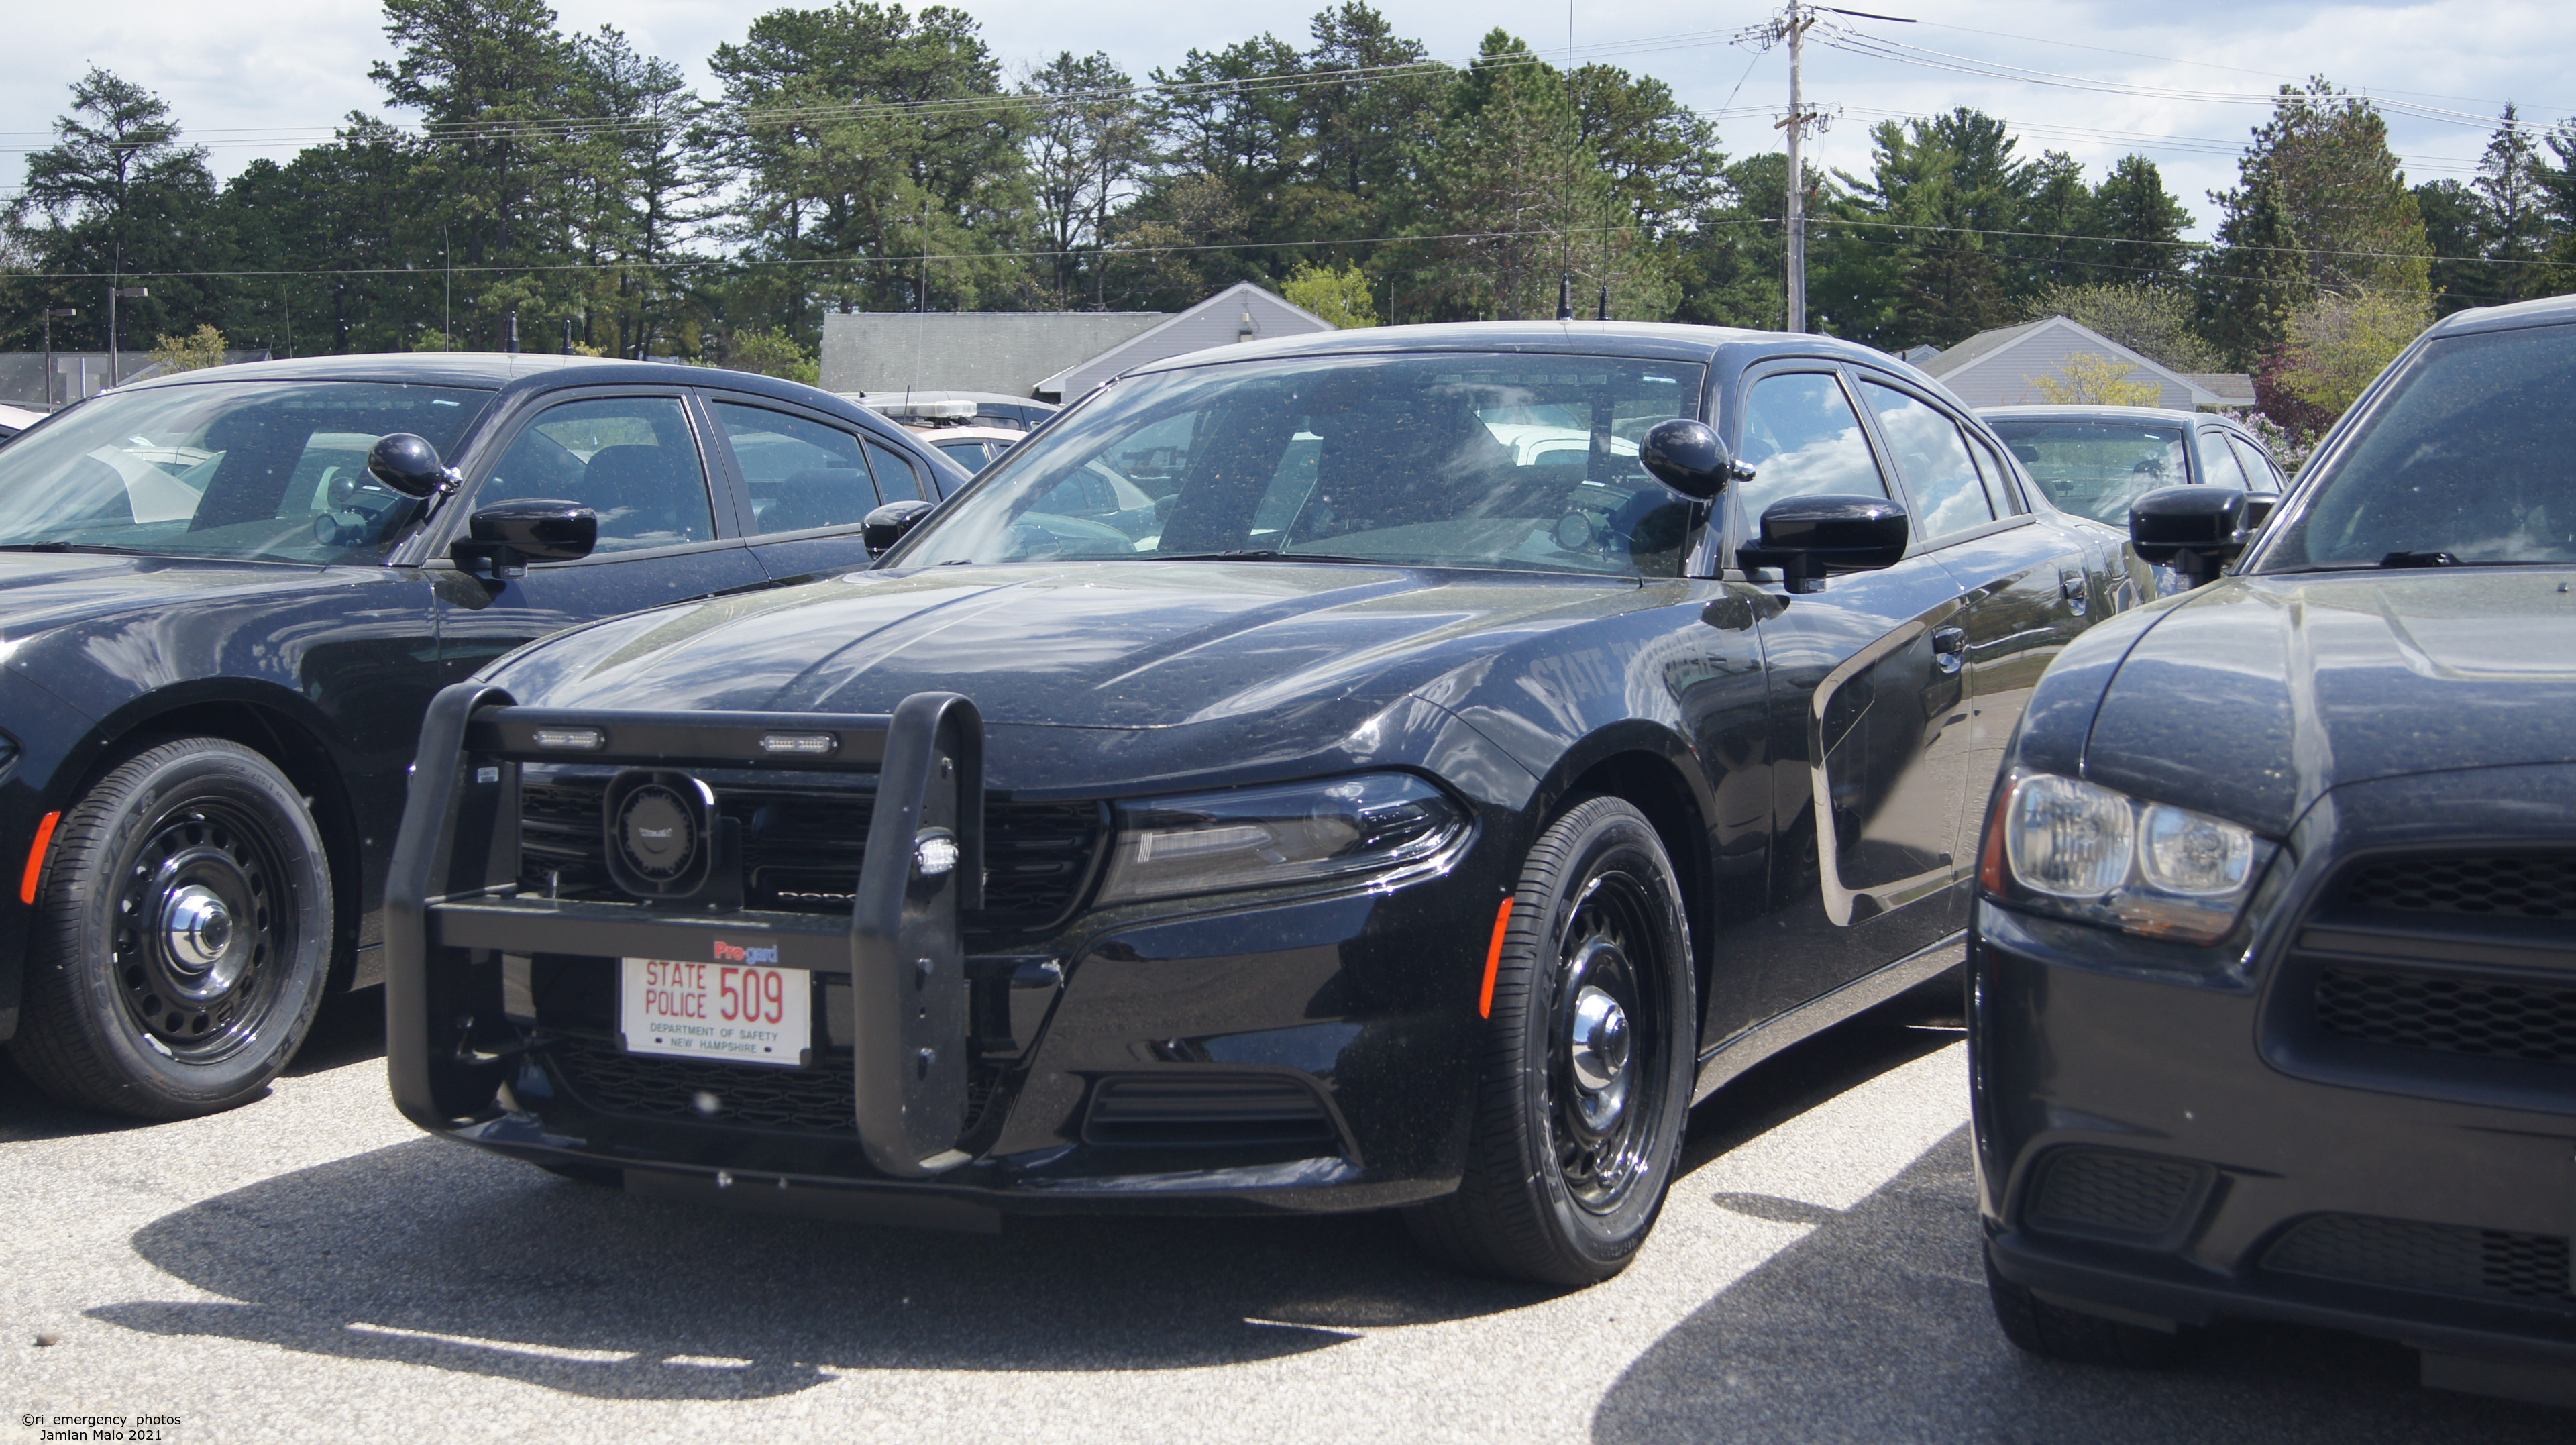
(45, 839)
(1493, 952)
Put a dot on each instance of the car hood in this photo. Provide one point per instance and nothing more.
(1247, 658)
(43, 590)
(2257, 694)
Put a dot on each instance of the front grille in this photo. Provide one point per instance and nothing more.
(1202, 1109)
(819, 1100)
(2107, 1191)
(2446, 1259)
(802, 846)
(2478, 1015)
(2534, 885)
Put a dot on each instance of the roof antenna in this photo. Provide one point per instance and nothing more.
(1564, 297)
(1605, 303)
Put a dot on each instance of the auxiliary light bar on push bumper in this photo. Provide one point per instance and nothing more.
(454, 906)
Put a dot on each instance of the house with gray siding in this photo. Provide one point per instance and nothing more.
(2003, 367)
(1052, 355)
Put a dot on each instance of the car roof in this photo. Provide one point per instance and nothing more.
(495, 371)
(934, 435)
(1645, 340)
(2546, 311)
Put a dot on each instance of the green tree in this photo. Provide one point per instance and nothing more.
(2339, 344)
(117, 197)
(2154, 321)
(2454, 216)
(2514, 231)
(2139, 228)
(2324, 155)
(636, 188)
(1733, 269)
(1943, 200)
(2255, 278)
(1086, 143)
(195, 351)
(1339, 294)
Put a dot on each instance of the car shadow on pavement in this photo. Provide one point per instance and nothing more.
(1875, 1327)
(435, 1254)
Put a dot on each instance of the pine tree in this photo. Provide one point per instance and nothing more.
(2513, 218)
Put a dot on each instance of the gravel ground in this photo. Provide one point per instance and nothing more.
(311, 1267)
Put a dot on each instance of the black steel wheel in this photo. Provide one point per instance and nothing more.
(183, 935)
(1585, 1083)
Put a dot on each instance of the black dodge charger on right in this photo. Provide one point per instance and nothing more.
(2273, 973)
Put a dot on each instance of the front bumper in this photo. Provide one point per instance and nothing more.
(2141, 1155)
(1293, 1053)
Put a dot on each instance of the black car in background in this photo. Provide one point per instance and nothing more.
(222, 630)
(2273, 1007)
(1401, 767)
(2094, 461)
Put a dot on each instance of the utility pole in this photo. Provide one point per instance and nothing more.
(1795, 24)
(115, 362)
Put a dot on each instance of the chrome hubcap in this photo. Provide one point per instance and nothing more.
(1600, 1056)
(198, 928)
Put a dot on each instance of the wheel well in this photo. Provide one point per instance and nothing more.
(1654, 787)
(293, 749)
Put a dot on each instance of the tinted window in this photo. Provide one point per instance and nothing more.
(1933, 458)
(631, 459)
(2217, 464)
(799, 473)
(2471, 452)
(1457, 460)
(897, 480)
(2258, 468)
(2096, 468)
(1802, 439)
(273, 470)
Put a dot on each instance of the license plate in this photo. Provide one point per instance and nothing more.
(728, 1012)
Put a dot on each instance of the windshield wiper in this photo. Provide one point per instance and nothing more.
(1256, 554)
(98, 547)
(2419, 559)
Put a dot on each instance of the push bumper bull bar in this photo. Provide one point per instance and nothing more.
(454, 906)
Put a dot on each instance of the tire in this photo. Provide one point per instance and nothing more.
(183, 936)
(2054, 1332)
(1571, 1149)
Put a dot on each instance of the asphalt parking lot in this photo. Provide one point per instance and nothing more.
(311, 1267)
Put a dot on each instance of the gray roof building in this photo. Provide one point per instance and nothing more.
(2003, 367)
(1053, 355)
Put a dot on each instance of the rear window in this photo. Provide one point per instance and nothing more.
(2096, 468)
(2471, 454)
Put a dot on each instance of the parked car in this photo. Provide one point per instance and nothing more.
(2094, 460)
(15, 419)
(228, 603)
(2274, 993)
(971, 447)
(1404, 820)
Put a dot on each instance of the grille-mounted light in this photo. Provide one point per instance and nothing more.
(799, 745)
(583, 739)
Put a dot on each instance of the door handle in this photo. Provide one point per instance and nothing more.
(1949, 647)
(2071, 584)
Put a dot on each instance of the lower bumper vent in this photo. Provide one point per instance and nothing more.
(2108, 1192)
(2446, 1259)
(1203, 1111)
(820, 1100)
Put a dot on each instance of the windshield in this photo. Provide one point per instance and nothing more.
(263, 470)
(2470, 457)
(1443, 461)
(2095, 468)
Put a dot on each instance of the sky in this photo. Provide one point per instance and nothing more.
(2181, 82)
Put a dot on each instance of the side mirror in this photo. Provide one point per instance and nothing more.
(886, 525)
(2196, 529)
(507, 536)
(1808, 538)
(408, 464)
(1688, 457)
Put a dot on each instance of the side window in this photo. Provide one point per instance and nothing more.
(1998, 477)
(631, 459)
(1933, 458)
(799, 473)
(897, 481)
(1802, 439)
(2259, 476)
(2217, 464)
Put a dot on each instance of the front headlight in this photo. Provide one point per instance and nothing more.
(2080, 850)
(1263, 837)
